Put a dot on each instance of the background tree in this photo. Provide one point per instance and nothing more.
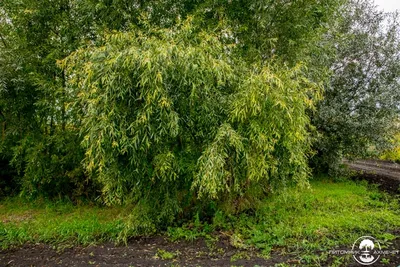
(41, 139)
(361, 100)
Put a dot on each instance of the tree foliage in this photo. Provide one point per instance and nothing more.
(170, 110)
(179, 106)
(40, 139)
(362, 97)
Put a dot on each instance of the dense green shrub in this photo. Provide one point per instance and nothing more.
(172, 114)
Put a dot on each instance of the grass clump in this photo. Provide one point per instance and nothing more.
(166, 255)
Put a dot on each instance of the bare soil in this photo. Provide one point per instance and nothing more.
(384, 173)
(146, 252)
(140, 252)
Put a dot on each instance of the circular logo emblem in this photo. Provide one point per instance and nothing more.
(366, 250)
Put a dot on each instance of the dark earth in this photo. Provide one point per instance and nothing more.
(141, 252)
(146, 252)
(158, 251)
(384, 173)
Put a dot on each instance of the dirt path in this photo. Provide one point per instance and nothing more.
(378, 167)
(154, 251)
(149, 251)
(384, 173)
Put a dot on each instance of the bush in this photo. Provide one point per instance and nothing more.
(173, 116)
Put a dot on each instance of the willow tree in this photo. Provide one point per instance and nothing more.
(172, 115)
(362, 97)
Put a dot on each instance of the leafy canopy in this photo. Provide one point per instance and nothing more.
(362, 96)
(168, 110)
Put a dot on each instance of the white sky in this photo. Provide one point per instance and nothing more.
(388, 5)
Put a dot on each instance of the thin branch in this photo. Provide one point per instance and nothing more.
(3, 41)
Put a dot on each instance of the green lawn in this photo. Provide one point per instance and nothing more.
(59, 223)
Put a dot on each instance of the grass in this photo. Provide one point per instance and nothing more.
(166, 255)
(59, 223)
(309, 223)
(305, 223)
(328, 216)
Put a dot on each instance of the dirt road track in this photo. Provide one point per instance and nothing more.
(384, 173)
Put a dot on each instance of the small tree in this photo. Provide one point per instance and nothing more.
(175, 114)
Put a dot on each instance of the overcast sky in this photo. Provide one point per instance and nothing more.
(388, 5)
